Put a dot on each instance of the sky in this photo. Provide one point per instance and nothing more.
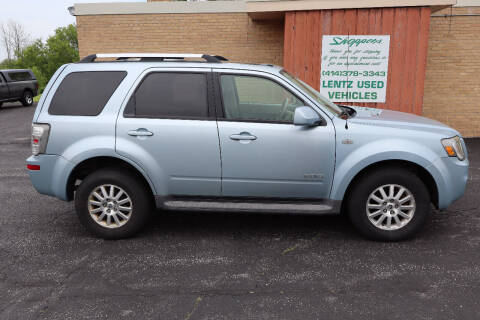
(41, 17)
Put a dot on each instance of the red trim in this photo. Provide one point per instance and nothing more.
(33, 167)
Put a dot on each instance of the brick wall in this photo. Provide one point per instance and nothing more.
(452, 89)
(452, 85)
(233, 35)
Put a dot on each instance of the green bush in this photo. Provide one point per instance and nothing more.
(44, 58)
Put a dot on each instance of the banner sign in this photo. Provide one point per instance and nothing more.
(354, 68)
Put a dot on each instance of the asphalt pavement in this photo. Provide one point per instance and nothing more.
(187, 265)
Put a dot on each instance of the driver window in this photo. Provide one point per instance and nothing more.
(255, 98)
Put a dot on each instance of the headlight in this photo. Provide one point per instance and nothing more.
(454, 148)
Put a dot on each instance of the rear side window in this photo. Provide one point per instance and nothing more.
(170, 95)
(85, 93)
(20, 76)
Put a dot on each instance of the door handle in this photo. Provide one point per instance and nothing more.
(243, 136)
(141, 132)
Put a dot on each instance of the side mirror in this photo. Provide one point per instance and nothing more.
(306, 116)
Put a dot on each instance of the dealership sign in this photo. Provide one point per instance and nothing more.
(354, 68)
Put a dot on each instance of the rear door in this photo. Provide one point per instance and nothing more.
(168, 127)
(263, 153)
(17, 83)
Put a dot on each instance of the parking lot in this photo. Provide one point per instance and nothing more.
(188, 265)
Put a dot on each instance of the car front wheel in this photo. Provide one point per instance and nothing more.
(389, 204)
(112, 204)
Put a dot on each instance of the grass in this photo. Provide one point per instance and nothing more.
(35, 99)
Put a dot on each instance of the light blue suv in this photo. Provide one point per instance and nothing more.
(123, 133)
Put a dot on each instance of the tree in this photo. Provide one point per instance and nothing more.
(14, 38)
(35, 57)
(61, 48)
(44, 58)
(6, 64)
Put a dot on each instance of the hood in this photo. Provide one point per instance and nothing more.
(390, 118)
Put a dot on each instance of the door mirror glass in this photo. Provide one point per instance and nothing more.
(306, 116)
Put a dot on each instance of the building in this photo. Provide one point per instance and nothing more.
(433, 52)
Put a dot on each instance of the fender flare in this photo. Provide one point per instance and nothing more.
(102, 153)
(368, 155)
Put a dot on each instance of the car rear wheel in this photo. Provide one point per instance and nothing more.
(113, 204)
(27, 99)
(389, 204)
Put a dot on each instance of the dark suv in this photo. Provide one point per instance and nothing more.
(18, 85)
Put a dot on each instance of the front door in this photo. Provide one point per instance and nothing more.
(168, 128)
(263, 153)
(4, 94)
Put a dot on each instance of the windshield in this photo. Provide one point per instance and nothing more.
(313, 94)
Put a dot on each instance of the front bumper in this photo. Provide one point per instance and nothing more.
(451, 176)
(53, 175)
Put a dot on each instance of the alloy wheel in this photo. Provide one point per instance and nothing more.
(110, 206)
(390, 207)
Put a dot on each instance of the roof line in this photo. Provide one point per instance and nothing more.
(244, 6)
(108, 8)
(298, 5)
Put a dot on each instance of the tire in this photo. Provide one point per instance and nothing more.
(367, 191)
(1, 103)
(140, 204)
(27, 99)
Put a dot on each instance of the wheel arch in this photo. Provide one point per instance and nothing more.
(417, 169)
(87, 166)
(27, 89)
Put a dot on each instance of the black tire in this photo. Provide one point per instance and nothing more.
(139, 193)
(1, 103)
(368, 183)
(27, 99)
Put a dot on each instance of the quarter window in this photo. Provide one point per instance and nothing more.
(85, 93)
(170, 95)
(255, 98)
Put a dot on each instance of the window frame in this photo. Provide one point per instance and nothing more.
(125, 72)
(211, 111)
(220, 106)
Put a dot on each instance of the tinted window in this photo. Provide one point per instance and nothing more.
(255, 98)
(85, 93)
(170, 95)
(20, 76)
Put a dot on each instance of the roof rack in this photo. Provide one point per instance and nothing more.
(152, 57)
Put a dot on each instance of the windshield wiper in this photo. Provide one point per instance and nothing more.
(344, 115)
(346, 111)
